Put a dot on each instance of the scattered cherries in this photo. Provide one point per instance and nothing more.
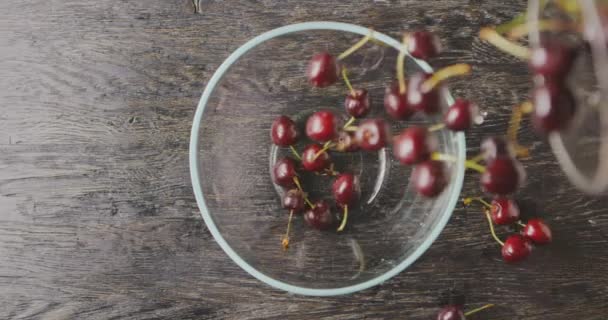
(460, 115)
(322, 126)
(516, 248)
(423, 45)
(322, 70)
(356, 103)
(414, 145)
(373, 134)
(320, 216)
(284, 132)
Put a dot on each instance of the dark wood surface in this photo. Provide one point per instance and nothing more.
(98, 219)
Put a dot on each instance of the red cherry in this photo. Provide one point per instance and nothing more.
(502, 176)
(395, 103)
(516, 248)
(504, 211)
(460, 115)
(553, 59)
(284, 171)
(311, 162)
(537, 231)
(554, 107)
(427, 102)
(423, 45)
(429, 178)
(320, 217)
(373, 134)
(322, 126)
(494, 147)
(284, 132)
(451, 313)
(322, 70)
(414, 145)
(357, 103)
(346, 142)
(346, 189)
(294, 200)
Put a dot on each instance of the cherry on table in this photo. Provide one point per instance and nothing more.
(516, 248)
(346, 189)
(537, 231)
(429, 178)
(502, 176)
(356, 103)
(414, 145)
(504, 211)
(346, 142)
(395, 103)
(417, 99)
(460, 115)
(284, 172)
(373, 134)
(451, 313)
(320, 216)
(423, 45)
(554, 106)
(284, 132)
(553, 59)
(312, 162)
(293, 200)
(322, 126)
(322, 70)
(493, 147)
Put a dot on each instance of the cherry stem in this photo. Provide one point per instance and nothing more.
(487, 212)
(344, 218)
(490, 305)
(401, 66)
(356, 46)
(285, 241)
(450, 158)
(436, 127)
(459, 69)
(521, 224)
(523, 29)
(297, 182)
(477, 158)
(347, 82)
(326, 147)
(295, 153)
(490, 35)
(467, 201)
(515, 124)
(351, 128)
(349, 122)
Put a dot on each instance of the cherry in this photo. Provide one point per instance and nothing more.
(552, 59)
(320, 216)
(516, 248)
(414, 145)
(346, 142)
(460, 115)
(504, 211)
(284, 172)
(502, 176)
(395, 103)
(373, 134)
(322, 70)
(494, 147)
(423, 45)
(322, 126)
(429, 178)
(357, 103)
(451, 313)
(284, 132)
(554, 107)
(312, 162)
(294, 200)
(537, 231)
(427, 102)
(346, 189)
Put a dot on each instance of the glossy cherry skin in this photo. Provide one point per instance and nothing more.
(293, 200)
(322, 70)
(346, 142)
(373, 134)
(322, 126)
(427, 102)
(451, 313)
(516, 248)
(493, 147)
(395, 103)
(423, 45)
(320, 217)
(502, 176)
(460, 115)
(346, 189)
(553, 59)
(308, 158)
(554, 107)
(429, 178)
(504, 211)
(284, 172)
(284, 132)
(414, 145)
(537, 231)
(356, 103)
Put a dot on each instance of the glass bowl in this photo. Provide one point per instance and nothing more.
(231, 155)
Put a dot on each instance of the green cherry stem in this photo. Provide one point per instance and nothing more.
(356, 46)
(468, 313)
(326, 147)
(349, 122)
(401, 66)
(347, 82)
(459, 69)
(490, 35)
(295, 153)
(285, 241)
(299, 185)
(450, 158)
(521, 224)
(344, 218)
(436, 127)
(492, 228)
(468, 201)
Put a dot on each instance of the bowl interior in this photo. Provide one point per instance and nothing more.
(232, 156)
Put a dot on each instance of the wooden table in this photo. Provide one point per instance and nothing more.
(98, 219)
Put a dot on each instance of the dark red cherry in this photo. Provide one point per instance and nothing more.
(311, 162)
(504, 211)
(294, 200)
(494, 147)
(460, 115)
(414, 145)
(427, 102)
(430, 178)
(346, 189)
(451, 313)
(553, 59)
(516, 248)
(284, 172)
(395, 103)
(537, 231)
(423, 45)
(554, 107)
(322, 70)
(357, 103)
(322, 126)
(284, 132)
(373, 134)
(346, 142)
(502, 176)
(320, 217)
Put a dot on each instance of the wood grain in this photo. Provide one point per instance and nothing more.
(98, 220)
